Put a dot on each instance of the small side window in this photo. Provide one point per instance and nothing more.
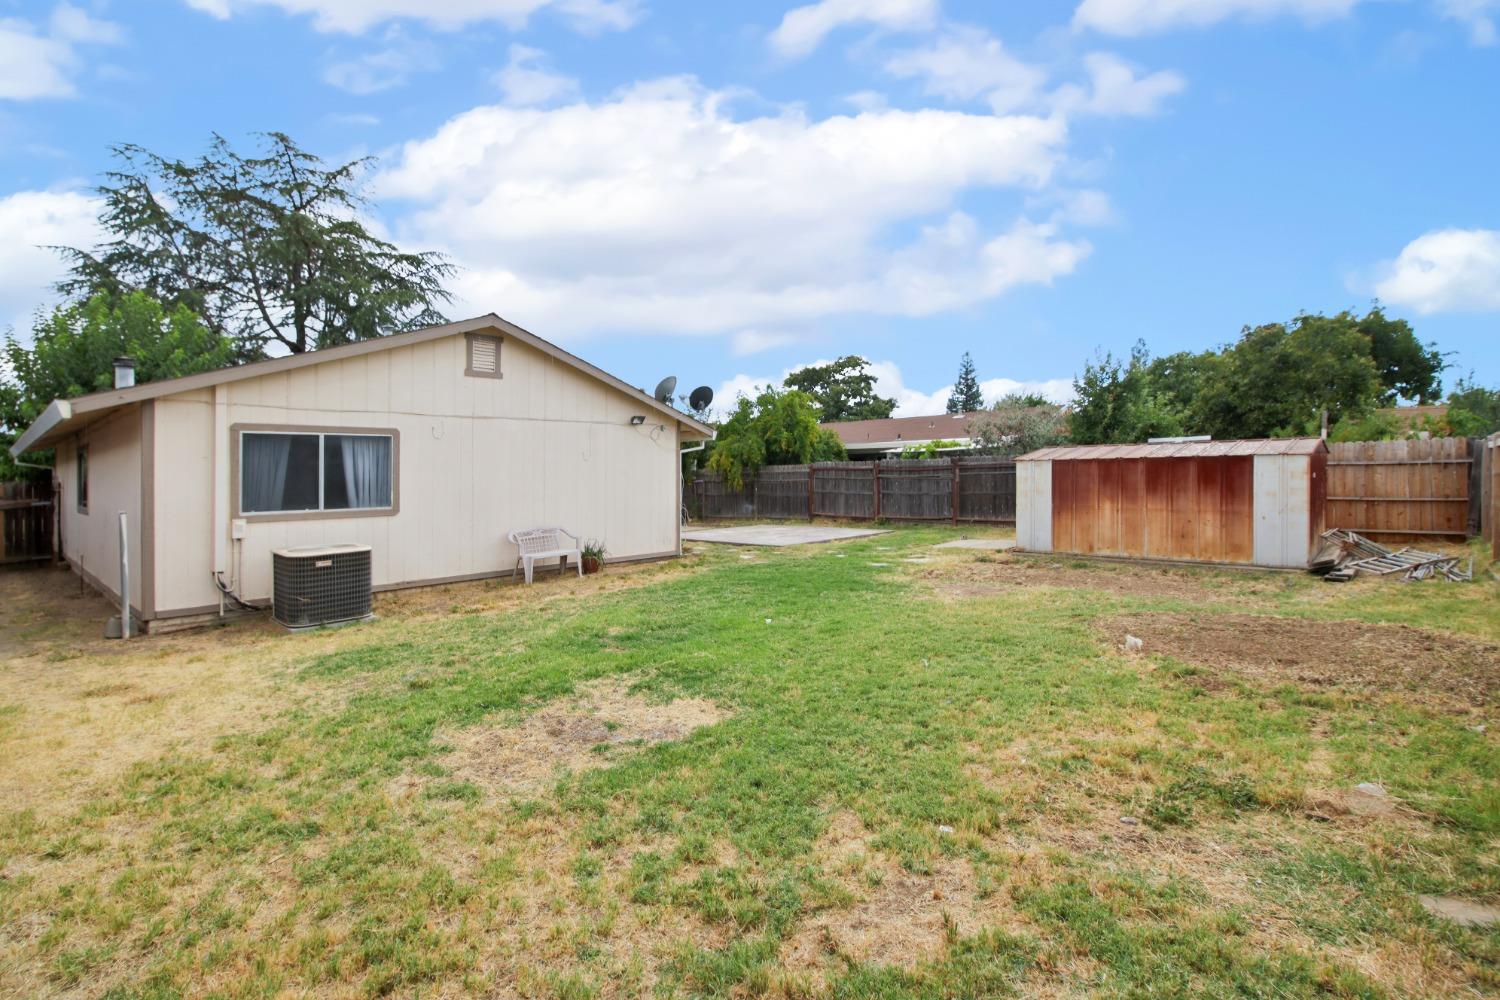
(484, 356)
(81, 464)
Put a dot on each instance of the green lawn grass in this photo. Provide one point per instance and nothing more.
(339, 852)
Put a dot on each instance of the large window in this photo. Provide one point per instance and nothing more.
(300, 472)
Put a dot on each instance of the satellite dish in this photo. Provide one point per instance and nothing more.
(700, 398)
(665, 388)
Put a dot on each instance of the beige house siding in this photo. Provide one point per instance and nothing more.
(545, 444)
(91, 541)
(183, 455)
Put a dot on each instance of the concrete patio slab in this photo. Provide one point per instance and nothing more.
(776, 534)
(987, 544)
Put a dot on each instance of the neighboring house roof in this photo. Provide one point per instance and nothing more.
(897, 432)
(1187, 449)
(63, 416)
(1410, 416)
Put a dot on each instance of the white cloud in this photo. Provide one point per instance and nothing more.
(354, 119)
(655, 210)
(803, 29)
(1087, 207)
(1449, 270)
(754, 341)
(385, 68)
(867, 100)
(526, 80)
(30, 223)
(73, 24)
(1114, 88)
(1134, 18)
(965, 63)
(355, 16)
(1477, 15)
(889, 382)
(40, 62)
(1143, 17)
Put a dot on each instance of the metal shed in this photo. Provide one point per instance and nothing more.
(1254, 503)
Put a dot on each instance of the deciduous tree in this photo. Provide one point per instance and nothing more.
(778, 427)
(1017, 424)
(842, 390)
(73, 348)
(1116, 404)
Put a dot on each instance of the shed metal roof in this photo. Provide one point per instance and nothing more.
(1187, 449)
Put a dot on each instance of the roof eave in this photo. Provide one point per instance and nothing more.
(58, 412)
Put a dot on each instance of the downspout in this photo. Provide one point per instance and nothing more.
(681, 499)
(219, 525)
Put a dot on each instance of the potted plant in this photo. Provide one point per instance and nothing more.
(593, 556)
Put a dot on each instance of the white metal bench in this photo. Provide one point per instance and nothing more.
(546, 543)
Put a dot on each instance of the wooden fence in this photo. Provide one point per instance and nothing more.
(1489, 492)
(975, 490)
(26, 521)
(1397, 491)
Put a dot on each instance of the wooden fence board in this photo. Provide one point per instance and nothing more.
(26, 522)
(844, 490)
(1490, 499)
(986, 490)
(978, 490)
(1401, 490)
(916, 489)
(781, 491)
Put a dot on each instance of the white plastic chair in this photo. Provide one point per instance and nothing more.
(546, 543)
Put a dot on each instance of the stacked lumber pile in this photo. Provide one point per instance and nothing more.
(1345, 554)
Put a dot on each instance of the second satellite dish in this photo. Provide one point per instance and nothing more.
(665, 388)
(700, 398)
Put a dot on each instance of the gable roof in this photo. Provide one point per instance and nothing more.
(63, 415)
(1180, 449)
(901, 430)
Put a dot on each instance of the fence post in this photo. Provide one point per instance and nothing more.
(954, 463)
(810, 471)
(877, 489)
(1476, 485)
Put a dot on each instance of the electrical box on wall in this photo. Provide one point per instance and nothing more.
(237, 529)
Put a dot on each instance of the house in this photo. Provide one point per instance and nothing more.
(427, 446)
(1257, 503)
(874, 439)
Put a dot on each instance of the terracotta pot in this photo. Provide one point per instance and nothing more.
(592, 564)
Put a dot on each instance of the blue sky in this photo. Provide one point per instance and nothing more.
(727, 191)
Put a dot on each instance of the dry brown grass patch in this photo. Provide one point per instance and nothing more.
(962, 579)
(591, 729)
(897, 916)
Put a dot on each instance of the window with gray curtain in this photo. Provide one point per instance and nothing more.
(304, 471)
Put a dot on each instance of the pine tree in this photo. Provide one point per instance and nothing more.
(966, 396)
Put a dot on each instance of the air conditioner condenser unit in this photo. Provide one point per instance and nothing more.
(320, 585)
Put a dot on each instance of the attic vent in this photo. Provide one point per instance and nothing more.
(484, 356)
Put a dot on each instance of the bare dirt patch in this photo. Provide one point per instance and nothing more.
(1324, 654)
(964, 578)
(587, 731)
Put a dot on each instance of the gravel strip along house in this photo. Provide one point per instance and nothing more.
(427, 446)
